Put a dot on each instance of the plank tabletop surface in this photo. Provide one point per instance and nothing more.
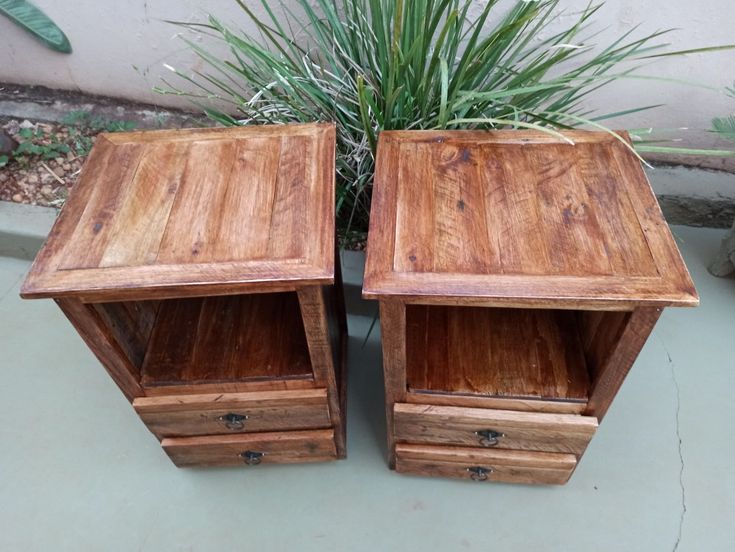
(194, 211)
(519, 218)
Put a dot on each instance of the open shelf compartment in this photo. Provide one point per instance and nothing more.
(506, 353)
(221, 339)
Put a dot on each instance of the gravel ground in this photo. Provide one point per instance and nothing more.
(44, 178)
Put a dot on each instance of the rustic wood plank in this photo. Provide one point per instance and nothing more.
(250, 192)
(612, 372)
(567, 217)
(228, 413)
(244, 386)
(625, 244)
(103, 344)
(138, 225)
(600, 333)
(461, 236)
(381, 234)
(557, 292)
(277, 448)
(130, 324)
(414, 242)
(392, 332)
(214, 133)
(447, 425)
(669, 264)
(87, 243)
(192, 233)
(321, 218)
(513, 213)
(205, 279)
(500, 403)
(227, 339)
(316, 324)
(495, 352)
(506, 466)
(289, 222)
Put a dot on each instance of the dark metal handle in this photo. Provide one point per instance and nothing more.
(478, 473)
(251, 457)
(233, 421)
(489, 437)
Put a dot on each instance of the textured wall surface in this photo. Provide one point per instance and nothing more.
(120, 48)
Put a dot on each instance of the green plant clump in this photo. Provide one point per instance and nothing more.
(725, 126)
(371, 65)
(35, 143)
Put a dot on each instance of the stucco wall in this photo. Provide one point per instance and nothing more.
(120, 47)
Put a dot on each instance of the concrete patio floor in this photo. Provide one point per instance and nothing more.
(79, 471)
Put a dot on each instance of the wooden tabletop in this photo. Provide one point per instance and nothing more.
(194, 212)
(519, 218)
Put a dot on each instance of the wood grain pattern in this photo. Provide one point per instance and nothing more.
(246, 386)
(488, 218)
(131, 324)
(600, 333)
(187, 415)
(286, 447)
(500, 403)
(446, 425)
(498, 352)
(221, 339)
(507, 466)
(392, 334)
(194, 212)
(612, 371)
(138, 228)
(323, 359)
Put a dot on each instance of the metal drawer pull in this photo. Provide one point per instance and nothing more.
(251, 457)
(489, 437)
(233, 421)
(478, 473)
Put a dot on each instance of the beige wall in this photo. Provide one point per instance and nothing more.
(120, 47)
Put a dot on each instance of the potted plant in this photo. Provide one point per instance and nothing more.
(372, 65)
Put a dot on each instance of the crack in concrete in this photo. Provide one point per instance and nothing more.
(681, 454)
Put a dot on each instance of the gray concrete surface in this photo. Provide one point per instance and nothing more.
(23, 229)
(79, 471)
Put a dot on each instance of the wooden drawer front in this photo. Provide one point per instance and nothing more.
(548, 468)
(497, 429)
(248, 450)
(224, 413)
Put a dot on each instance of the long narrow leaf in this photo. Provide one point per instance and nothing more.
(33, 20)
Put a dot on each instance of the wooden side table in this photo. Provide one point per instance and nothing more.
(518, 277)
(199, 266)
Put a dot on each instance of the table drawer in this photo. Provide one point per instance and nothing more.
(508, 466)
(288, 447)
(224, 413)
(499, 429)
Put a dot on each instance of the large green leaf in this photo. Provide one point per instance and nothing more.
(37, 23)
